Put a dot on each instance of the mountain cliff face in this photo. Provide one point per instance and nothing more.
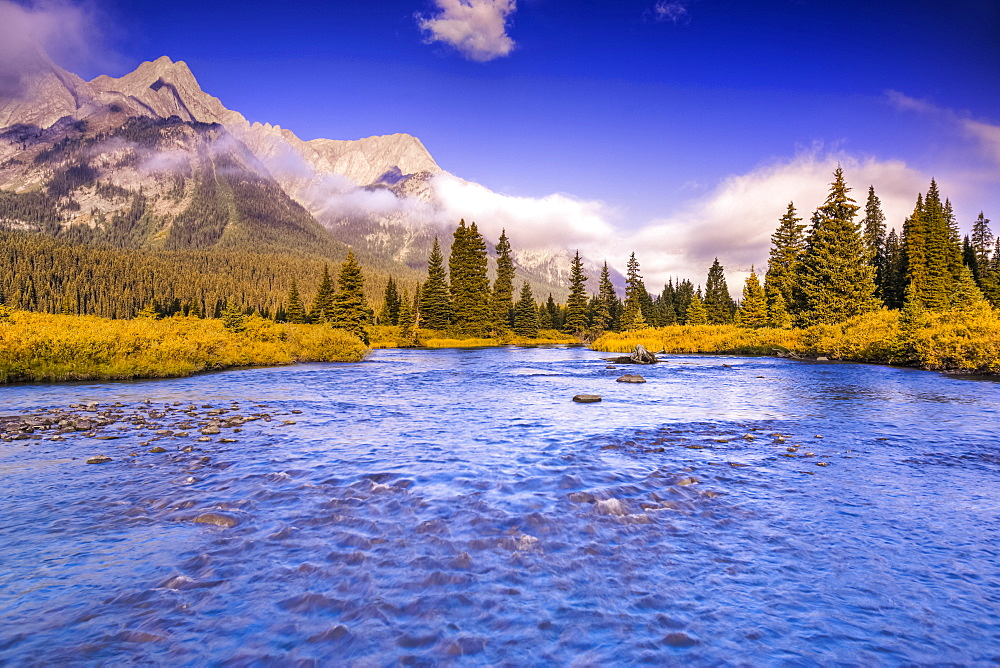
(151, 160)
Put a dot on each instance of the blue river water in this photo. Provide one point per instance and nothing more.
(456, 507)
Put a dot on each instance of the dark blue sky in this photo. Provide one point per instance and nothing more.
(601, 100)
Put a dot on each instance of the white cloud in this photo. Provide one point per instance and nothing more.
(68, 32)
(554, 221)
(675, 11)
(477, 28)
(735, 221)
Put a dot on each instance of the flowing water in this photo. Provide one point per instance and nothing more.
(456, 507)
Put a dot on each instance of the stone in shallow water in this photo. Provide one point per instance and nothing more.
(99, 459)
(587, 398)
(218, 519)
(679, 640)
(631, 378)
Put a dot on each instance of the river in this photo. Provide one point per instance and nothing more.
(456, 506)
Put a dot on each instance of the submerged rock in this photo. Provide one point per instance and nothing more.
(218, 519)
(631, 378)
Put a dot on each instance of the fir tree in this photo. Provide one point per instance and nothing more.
(407, 322)
(322, 306)
(894, 274)
(777, 313)
(503, 286)
(389, 315)
(967, 297)
(576, 304)
(435, 302)
(525, 315)
(470, 286)
(982, 243)
(696, 312)
(787, 246)
(683, 295)
(295, 312)
(632, 317)
(970, 260)
(873, 227)
(606, 302)
(351, 312)
(555, 317)
(835, 279)
(232, 317)
(753, 309)
(717, 301)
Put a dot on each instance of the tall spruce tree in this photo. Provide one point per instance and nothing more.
(718, 302)
(785, 257)
(606, 302)
(525, 314)
(389, 315)
(470, 286)
(753, 309)
(322, 306)
(351, 312)
(632, 317)
(435, 299)
(893, 280)
(295, 313)
(407, 322)
(503, 286)
(982, 244)
(554, 313)
(696, 314)
(835, 278)
(873, 227)
(576, 304)
(683, 295)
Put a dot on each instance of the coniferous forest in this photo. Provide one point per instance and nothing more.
(842, 265)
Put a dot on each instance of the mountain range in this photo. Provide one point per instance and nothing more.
(149, 160)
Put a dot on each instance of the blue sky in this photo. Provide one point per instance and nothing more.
(686, 125)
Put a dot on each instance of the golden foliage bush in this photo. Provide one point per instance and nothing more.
(44, 347)
(963, 339)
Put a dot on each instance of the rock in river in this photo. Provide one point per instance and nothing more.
(218, 519)
(631, 378)
(587, 398)
(99, 459)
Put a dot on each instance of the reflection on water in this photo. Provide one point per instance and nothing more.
(427, 506)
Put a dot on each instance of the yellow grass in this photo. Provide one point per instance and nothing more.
(44, 347)
(960, 340)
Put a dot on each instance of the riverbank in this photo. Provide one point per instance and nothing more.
(56, 348)
(966, 341)
(389, 337)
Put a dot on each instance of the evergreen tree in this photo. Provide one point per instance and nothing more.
(295, 312)
(717, 301)
(777, 313)
(554, 316)
(970, 260)
(753, 309)
(696, 314)
(233, 318)
(967, 297)
(894, 274)
(322, 306)
(148, 312)
(435, 302)
(982, 243)
(683, 296)
(470, 286)
(503, 286)
(873, 227)
(835, 279)
(389, 314)
(606, 302)
(668, 313)
(351, 312)
(787, 246)
(407, 322)
(576, 304)
(525, 315)
(632, 317)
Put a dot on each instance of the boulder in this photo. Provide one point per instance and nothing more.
(99, 459)
(587, 398)
(631, 378)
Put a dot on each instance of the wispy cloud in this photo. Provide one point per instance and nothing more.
(675, 11)
(986, 135)
(476, 28)
(67, 31)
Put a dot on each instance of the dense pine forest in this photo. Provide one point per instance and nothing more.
(839, 266)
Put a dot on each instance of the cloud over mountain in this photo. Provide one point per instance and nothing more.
(476, 28)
